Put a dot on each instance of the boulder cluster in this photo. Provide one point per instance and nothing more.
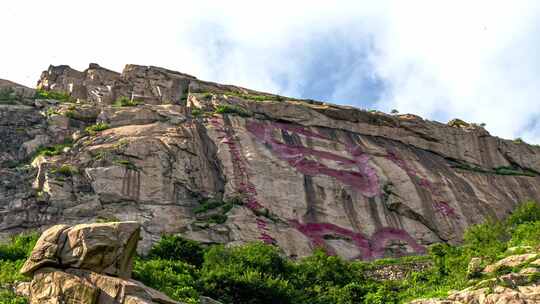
(86, 264)
(514, 279)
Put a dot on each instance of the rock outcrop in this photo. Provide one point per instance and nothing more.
(87, 264)
(224, 164)
(521, 286)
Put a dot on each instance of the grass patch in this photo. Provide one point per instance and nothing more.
(7, 94)
(65, 170)
(257, 97)
(126, 102)
(513, 171)
(197, 112)
(52, 150)
(221, 208)
(12, 257)
(94, 129)
(232, 109)
(498, 170)
(56, 95)
(126, 163)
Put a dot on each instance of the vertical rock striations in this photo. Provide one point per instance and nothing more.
(224, 164)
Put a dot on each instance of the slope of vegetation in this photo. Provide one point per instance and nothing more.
(257, 273)
(12, 257)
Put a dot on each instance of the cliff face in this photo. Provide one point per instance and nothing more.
(223, 164)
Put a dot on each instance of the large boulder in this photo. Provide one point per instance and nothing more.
(87, 264)
(104, 248)
(78, 286)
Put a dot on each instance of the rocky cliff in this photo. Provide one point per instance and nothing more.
(224, 164)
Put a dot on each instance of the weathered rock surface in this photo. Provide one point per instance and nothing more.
(104, 248)
(86, 264)
(297, 173)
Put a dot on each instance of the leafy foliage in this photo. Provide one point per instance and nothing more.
(12, 257)
(93, 129)
(175, 278)
(65, 170)
(53, 150)
(257, 273)
(56, 95)
(175, 248)
(231, 109)
(125, 102)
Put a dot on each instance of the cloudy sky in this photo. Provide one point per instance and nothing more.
(476, 60)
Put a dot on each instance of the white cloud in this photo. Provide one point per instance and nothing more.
(442, 59)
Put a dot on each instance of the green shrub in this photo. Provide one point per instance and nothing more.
(93, 129)
(8, 297)
(53, 150)
(487, 239)
(56, 95)
(231, 109)
(7, 94)
(65, 170)
(527, 234)
(175, 278)
(527, 212)
(126, 163)
(208, 204)
(125, 102)
(196, 112)
(176, 248)
(19, 247)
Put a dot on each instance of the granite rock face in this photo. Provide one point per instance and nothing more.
(224, 164)
(86, 264)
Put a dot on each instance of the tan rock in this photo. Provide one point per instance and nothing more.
(22, 289)
(511, 261)
(474, 267)
(103, 247)
(45, 251)
(51, 286)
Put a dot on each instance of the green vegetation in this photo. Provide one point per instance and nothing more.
(56, 95)
(254, 97)
(126, 102)
(498, 170)
(519, 140)
(53, 150)
(217, 208)
(196, 112)
(231, 109)
(65, 170)
(12, 257)
(7, 96)
(513, 171)
(257, 97)
(258, 273)
(126, 163)
(93, 129)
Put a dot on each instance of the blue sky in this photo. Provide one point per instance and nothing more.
(476, 60)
